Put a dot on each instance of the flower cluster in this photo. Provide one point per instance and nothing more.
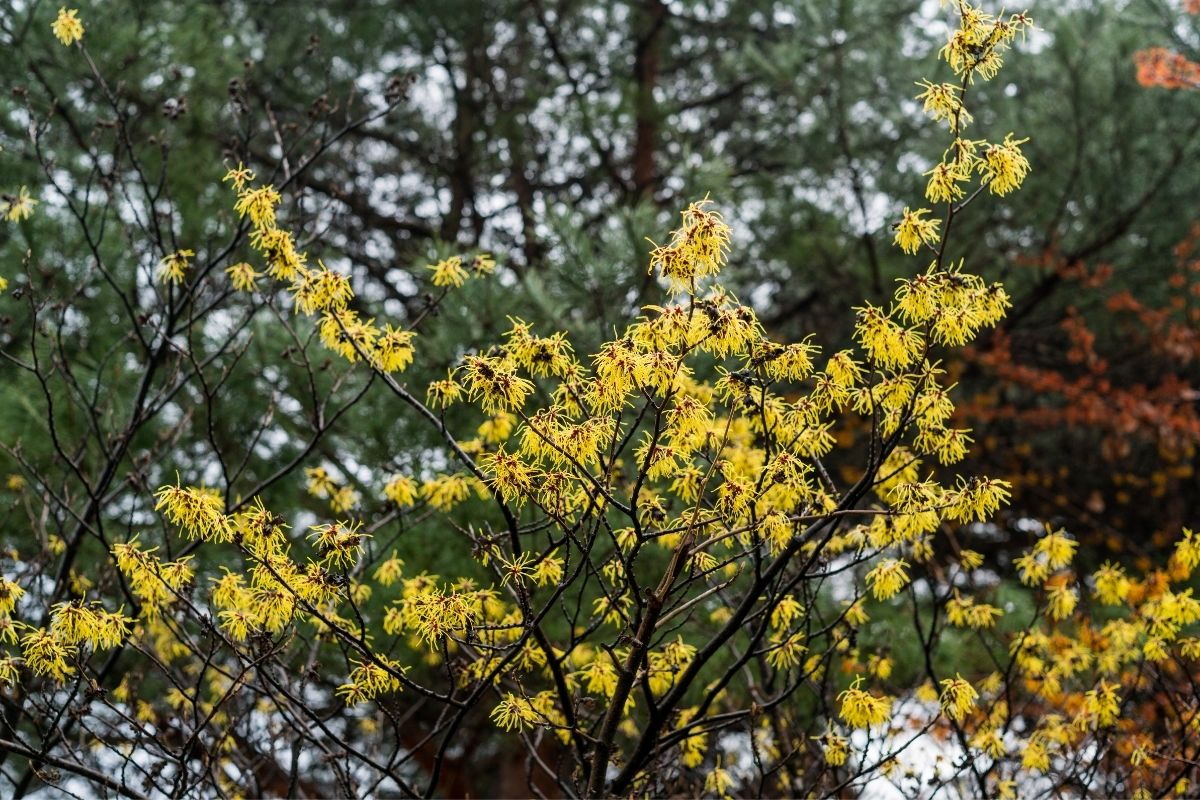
(320, 291)
(976, 47)
(697, 249)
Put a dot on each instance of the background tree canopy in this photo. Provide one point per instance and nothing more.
(558, 136)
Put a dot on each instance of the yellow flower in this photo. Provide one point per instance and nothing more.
(943, 183)
(518, 569)
(238, 176)
(719, 781)
(10, 593)
(237, 623)
(1104, 704)
(1142, 755)
(494, 383)
(697, 249)
(1112, 586)
(369, 680)
(978, 45)
(1062, 598)
(393, 349)
(278, 248)
(199, 512)
(1030, 569)
(345, 334)
(970, 560)
(173, 266)
(693, 747)
(498, 428)
(1187, 550)
(887, 579)
(989, 741)
(73, 624)
(861, 709)
(978, 498)
(243, 277)
(321, 289)
(788, 610)
(942, 102)
(19, 206)
(1004, 166)
(958, 697)
(600, 676)
(440, 394)
(856, 614)
(510, 476)
(401, 490)
(67, 26)
(1035, 757)
(950, 447)
(912, 231)
(514, 713)
(966, 613)
(887, 343)
(449, 272)
(319, 482)
(338, 543)
(548, 571)
(834, 747)
(259, 204)
(539, 355)
(1057, 549)
(483, 264)
(344, 499)
(1190, 648)
(446, 491)
(786, 654)
(47, 654)
(9, 671)
(389, 571)
(1155, 649)
(229, 590)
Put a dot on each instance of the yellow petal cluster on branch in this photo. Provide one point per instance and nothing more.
(67, 26)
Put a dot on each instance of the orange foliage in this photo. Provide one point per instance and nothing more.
(1165, 69)
(1125, 369)
(1163, 407)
